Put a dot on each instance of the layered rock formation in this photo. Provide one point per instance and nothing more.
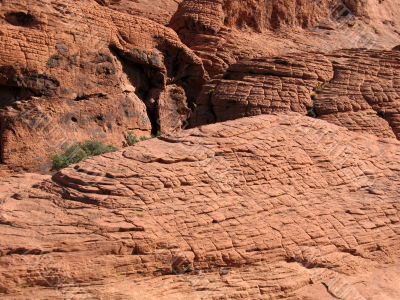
(71, 71)
(297, 198)
(358, 89)
(261, 15)
(74, 71)
(364, 93)
(263, 86)
(276, 56)
(160, 11)
(225, 31)
(256, 208)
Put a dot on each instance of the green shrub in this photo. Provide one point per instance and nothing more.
(131, 139)
(79, 152)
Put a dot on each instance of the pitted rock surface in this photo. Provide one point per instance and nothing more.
(257, 208)
(85, 71)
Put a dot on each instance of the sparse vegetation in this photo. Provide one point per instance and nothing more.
(314, 97)
(79, 152)
(132, 139)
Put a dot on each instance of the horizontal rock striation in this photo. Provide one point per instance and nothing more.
(223, 32)
(90, 71)
(263, 86)
(364, 93)
(358, 89)
(253, 208)
(159, 11)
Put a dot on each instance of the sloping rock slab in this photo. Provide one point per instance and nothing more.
(255, 208)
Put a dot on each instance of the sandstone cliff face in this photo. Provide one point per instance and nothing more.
(71, 71)
(263, 86)
(261, 15)
(74, 71)
(364, 92)
(223, 31)
(242, 48)
(254, 208)
(160, 11)
(357, 89)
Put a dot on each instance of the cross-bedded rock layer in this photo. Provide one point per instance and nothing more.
(255, 208)
(222, 32)
(160, 11)
(358, 89)
(81, 70)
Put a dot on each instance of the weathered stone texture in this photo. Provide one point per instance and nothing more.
(89, 71)
(252, 208)
(358, 89)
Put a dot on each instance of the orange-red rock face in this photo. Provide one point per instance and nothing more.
(357, 89)
(255, 208)
(160, 11)
(260, 15)
(274, 56)
(364, 92)
(74, 71)
(295, 197)
(222, 32)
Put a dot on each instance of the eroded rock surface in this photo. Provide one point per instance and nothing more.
(80, 70)
(262, 86)
(364, 93)
(254, 208)
(160, 11)
(358, 89)
(222, 32)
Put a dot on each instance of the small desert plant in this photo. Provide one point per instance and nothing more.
(131, 139)
(79, 152)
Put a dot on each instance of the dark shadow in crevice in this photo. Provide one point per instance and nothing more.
(10, 95)
(22, 19)
(148, 83)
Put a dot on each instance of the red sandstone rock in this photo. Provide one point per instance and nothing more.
(160, 11)
(71, 71)
(263, 86)
(357, 89)
(222, 32)
(280, 206)
(254, 208)
(364, 93)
